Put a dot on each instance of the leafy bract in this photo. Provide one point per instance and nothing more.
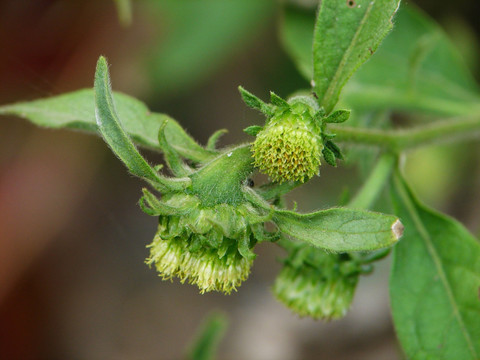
(346, 34)
(341, 230)
(435, 282)
(76, 110)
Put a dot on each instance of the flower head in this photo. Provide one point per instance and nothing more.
(316, 284)
(206, 246)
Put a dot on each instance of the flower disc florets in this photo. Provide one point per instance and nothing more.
(209, 247)
(321, 291)
(290, 145)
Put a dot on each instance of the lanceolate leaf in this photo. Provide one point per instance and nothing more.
(346, 34)
(111, 129)
(435, 283)
(341, 230)
(115, 136)
(76, 110)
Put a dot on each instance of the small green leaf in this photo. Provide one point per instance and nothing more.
(152, 206)
(277, 100)
(254, 102)
(329, 156)
(116, 137)
(334, 148)
(76, 110)
(340, 229)
(435, 282)
(337, 117)
(111, 129)
(346, 34)
(253, 130)
(206, 341)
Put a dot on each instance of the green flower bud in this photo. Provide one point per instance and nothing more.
(206, 246)
(321, 289)
(290, 145)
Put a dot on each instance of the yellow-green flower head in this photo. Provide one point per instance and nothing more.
(290, 145)
(324, 292)
(206, 246)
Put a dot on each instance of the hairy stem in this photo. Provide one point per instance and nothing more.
(398, 140)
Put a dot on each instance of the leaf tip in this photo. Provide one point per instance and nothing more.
(397, 229)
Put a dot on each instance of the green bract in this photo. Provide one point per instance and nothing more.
(208, 246)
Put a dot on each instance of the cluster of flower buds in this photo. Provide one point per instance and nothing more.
(290, 145)
(210, 218)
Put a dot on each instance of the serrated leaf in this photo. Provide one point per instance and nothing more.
(341, 229)
(76, 110)
(329, 156)
(337, 117)
(253, 130)
(345, 36)
(435, 282)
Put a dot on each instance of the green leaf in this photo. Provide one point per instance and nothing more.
(341, 229)
(76, 110)
(416, 68)
(206, 341)
(255, 102)
(337, 117)
(116, 137)
(334, 148)
(277, 100)
(435, 281)
(329, 156)
(253, 130)
(346, 34)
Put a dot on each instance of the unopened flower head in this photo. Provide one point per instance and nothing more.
(321, 291)
(208, 247)
(289, 147)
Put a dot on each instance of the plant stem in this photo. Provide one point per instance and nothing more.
(399, 140)
(372, 187)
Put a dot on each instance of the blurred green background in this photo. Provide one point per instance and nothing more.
(72, 239)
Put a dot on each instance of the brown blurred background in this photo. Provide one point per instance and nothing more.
(73, 284)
